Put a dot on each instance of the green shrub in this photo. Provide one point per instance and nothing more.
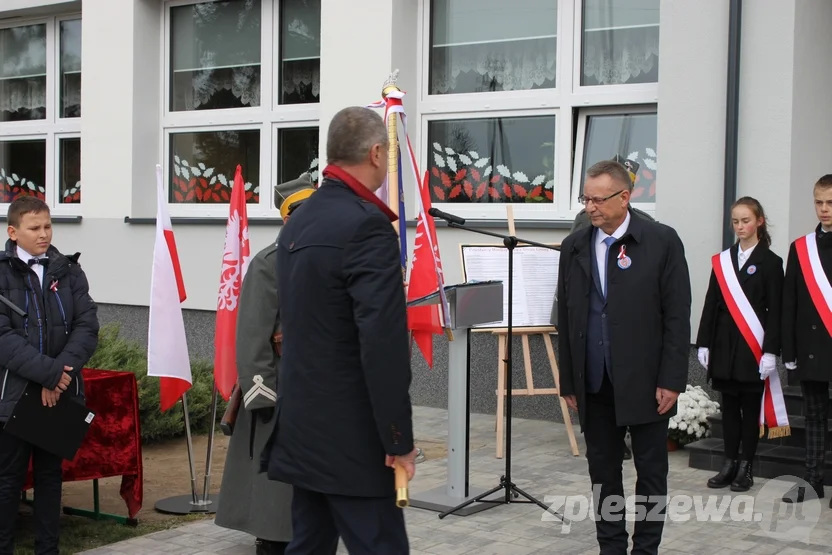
(116, 353)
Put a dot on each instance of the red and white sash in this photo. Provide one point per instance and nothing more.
(773, 411)
(816, 281)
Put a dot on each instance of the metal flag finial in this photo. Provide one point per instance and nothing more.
(390, 83)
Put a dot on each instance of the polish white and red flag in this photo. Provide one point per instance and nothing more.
(167, 348)
(425, 279)
(235, 261)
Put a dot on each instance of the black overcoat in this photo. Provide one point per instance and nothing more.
(761, 279)
(805, 338)
(60, 329)
(343, 393)
(648, 307)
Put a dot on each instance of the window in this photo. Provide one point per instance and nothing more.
(492, 45)
(620, 42)
(473, 159)
(633, 135)
(519, 98)
(40, 110)
(242, 89)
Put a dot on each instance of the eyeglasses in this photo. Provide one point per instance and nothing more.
(597, 201)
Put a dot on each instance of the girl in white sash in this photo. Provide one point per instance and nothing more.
(747, 277)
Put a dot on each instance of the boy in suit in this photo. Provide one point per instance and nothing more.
(49, 347)
(807, 342)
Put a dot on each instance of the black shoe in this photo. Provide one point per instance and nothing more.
(627, 453)
(725, 476)
(797, 493)
(745, 477)
(268, 547)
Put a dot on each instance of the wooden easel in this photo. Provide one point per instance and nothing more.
(524, 334)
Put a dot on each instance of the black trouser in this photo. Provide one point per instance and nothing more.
(741, 423)
(368, 526)
(603, 439)
(816, 407)
(14, 465)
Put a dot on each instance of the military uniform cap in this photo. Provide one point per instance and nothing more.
(291, 194)
(631, 165)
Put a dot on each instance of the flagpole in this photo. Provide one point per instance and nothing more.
(190, 448)
(209, 458)
(392, 151)
(186, 504)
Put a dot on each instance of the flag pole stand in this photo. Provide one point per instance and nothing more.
(206, 486)
(187, 504)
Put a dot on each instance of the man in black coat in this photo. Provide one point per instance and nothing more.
(343, 408)
(807, 342)
(50, 348)
(624, 338)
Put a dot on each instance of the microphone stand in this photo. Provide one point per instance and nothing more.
(512, 492)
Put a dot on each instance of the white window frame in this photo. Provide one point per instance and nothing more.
(267, 117)
(566, 101)
(583, 116)
(56, 169)
(53, 127)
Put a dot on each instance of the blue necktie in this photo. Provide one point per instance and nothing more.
(608, 241)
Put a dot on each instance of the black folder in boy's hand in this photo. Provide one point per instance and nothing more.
(59, 429)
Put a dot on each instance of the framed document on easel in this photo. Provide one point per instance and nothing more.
(535, 279)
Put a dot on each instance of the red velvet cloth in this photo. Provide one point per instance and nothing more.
(113, 444)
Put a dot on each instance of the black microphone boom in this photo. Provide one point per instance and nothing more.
(436, 213)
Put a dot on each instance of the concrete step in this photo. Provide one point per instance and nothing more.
(796, 439)
(793, 396)
(771, 461)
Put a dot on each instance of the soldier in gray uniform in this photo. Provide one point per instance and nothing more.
(249, 501)
(582, 221)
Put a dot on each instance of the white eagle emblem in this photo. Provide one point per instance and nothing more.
(231, 277)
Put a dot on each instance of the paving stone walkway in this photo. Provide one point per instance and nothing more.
(542, 465)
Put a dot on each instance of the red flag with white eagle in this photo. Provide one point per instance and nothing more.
(235, 261)
(167, 348)
(426, 278)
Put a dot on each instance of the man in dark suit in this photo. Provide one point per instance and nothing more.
(624, 337)
(343, 407)
(582, 221)
(807, 342)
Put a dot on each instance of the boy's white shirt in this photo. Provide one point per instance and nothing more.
(25, 257)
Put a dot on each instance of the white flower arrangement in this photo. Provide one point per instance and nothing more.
(691, 420)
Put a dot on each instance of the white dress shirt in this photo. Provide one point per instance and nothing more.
(601, 249)
(38, 268)
(743, 256)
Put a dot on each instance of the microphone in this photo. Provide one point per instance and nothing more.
(436, 213)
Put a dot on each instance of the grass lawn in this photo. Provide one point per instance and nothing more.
(80, 534)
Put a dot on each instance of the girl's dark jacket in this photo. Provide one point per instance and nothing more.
(761, 279)
(60, 329)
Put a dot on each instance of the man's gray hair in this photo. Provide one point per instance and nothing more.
(352, 132)
(614, 169)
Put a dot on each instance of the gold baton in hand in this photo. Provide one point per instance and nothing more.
(402, 498)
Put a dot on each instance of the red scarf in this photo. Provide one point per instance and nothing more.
(356, 187)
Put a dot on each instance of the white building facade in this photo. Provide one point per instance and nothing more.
(508, 102)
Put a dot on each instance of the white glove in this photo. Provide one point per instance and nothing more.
(791, 366)
(703, 356)
(768, 366)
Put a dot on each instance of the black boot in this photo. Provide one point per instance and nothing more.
(725, 476)
(797, 493)
(268, 547)
(745, 477)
